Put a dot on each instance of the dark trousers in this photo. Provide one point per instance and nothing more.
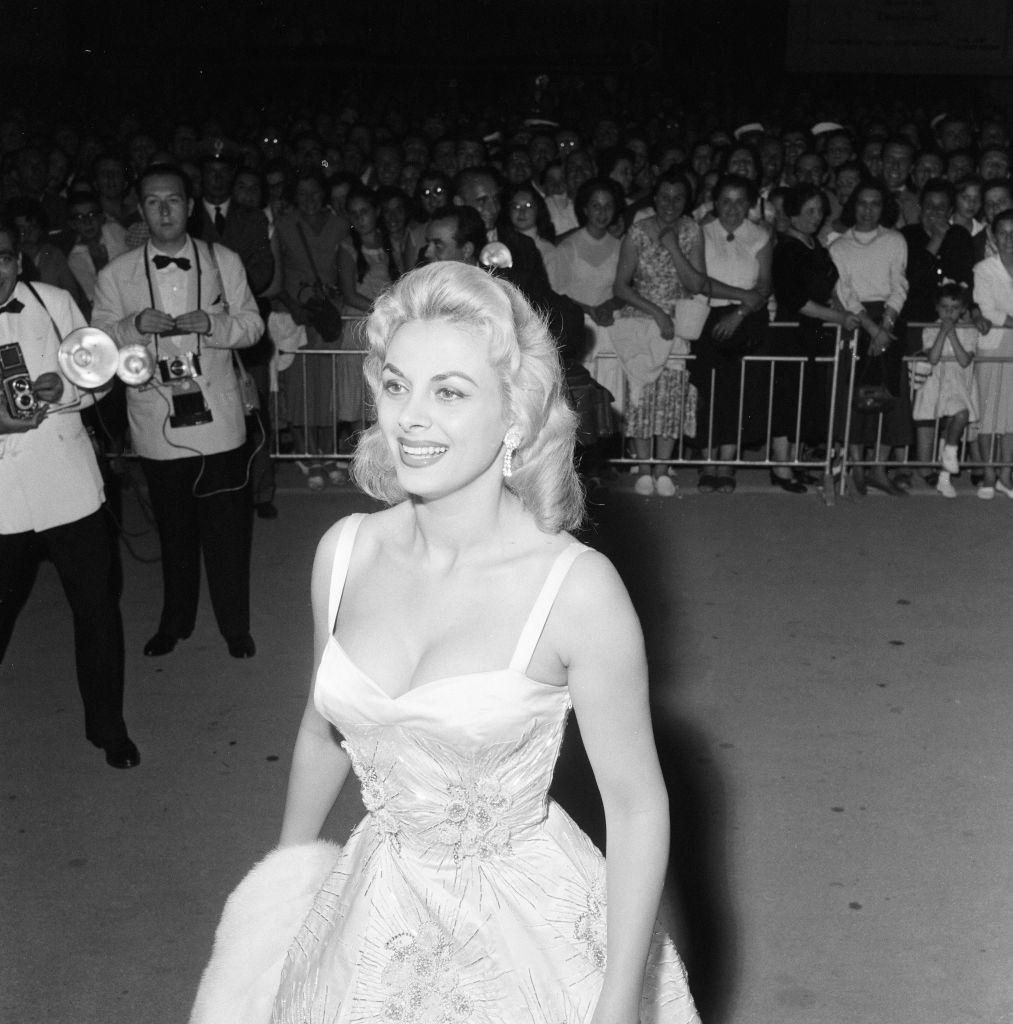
(202, 507)
(84, 557)
(258, 451)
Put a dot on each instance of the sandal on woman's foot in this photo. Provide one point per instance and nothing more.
(337, 475)
(314, 474)
(665, 486)
(726, 484)
(707, 483)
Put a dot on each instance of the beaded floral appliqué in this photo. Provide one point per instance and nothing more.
(422, 980)
(473, 819)
(589, 927)
(375, 794)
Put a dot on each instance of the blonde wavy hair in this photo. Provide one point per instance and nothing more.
(524, 357)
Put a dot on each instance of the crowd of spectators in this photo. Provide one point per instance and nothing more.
(643, 235)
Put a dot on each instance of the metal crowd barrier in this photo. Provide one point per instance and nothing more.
(826, 456)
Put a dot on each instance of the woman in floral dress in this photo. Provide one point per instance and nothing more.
(658, 256)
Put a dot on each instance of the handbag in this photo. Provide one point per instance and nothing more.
(871, 399)
(690, 316)
(322, 313)
(592, 403)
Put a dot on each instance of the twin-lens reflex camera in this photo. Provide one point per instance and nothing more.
(17, 383)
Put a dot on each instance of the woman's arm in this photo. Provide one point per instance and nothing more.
(603, 650)
(348, 282)
(844, 289)
(847, 320)
(319, 765)
(764, 260)
(897, 269)
(623, 289)
(989, 293)
(689, 268)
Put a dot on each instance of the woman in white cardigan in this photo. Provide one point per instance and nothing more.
(871, 262)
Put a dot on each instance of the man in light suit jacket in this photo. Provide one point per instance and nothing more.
(51, 490)
(190, 304)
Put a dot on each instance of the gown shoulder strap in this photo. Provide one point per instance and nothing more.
(339, 568)
(532, 631)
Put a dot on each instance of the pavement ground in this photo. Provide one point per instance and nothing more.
(834, 708)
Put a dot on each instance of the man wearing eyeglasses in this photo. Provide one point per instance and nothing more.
(97, 241)
(480, 189)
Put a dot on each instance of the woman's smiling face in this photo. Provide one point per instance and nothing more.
(441, 408)
(731, 206)
(808, 219)
(868, 209)
(600, 212)
(670, 201)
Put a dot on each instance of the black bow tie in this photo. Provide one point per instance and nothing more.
(161, 262)
(14, 306)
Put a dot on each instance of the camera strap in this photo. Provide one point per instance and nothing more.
(38, 299)
(151, 288)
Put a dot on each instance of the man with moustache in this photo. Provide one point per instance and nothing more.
(52, 492)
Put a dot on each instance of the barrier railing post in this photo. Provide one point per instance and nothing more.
(852, 362)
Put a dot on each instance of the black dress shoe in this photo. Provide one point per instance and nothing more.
(804, 476)
(242, 646)
(881, 482)
(123, 755)
(266, 510)
(789, 484)
(159, 644)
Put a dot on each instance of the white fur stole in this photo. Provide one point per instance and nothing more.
(260, 920)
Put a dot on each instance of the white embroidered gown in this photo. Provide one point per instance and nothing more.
(465, 896)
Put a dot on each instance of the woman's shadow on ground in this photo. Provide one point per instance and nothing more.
(698, 870)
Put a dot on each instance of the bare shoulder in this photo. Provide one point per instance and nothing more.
(328, 544)
(329, 541)
(594, 609)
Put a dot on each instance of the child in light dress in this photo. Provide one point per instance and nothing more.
(949, 394)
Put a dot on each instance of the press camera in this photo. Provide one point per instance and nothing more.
(180, 372)
(16, 382)
(179, 368)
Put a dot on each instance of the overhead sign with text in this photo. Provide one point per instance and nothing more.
(941, 37)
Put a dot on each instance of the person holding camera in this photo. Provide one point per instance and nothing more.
(51, 490)
(190, 303)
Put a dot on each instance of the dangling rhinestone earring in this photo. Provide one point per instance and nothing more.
(511, 442)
